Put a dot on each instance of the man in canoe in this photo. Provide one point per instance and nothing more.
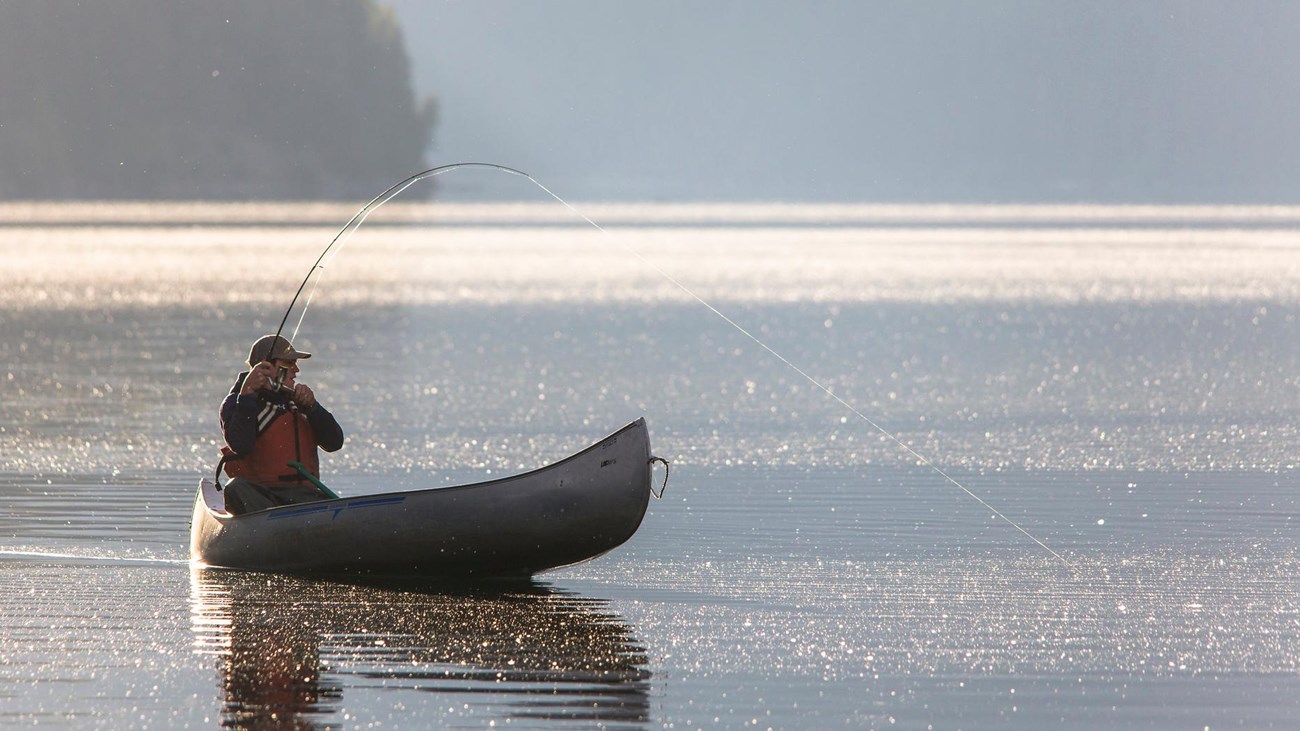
(273, 426)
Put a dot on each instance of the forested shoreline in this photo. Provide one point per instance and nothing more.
(205, 99)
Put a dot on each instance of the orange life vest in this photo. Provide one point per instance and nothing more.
(288, 438)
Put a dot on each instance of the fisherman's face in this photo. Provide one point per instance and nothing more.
(291, 371)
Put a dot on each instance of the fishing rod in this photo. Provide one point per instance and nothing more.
(345, 233)
(341, 238)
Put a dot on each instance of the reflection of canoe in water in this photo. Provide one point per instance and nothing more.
(295, 652)
(573, 510)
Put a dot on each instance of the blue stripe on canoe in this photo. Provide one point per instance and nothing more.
(376, 501)
(313, 509)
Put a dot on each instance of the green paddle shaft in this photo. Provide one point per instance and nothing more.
(312, 479)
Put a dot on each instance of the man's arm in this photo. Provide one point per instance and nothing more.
(239, 422)
(329, 435)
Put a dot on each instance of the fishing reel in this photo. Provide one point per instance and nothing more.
(276, 385)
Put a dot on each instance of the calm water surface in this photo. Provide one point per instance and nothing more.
(1120, 382)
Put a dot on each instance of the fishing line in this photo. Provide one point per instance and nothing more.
(345, 233)
(921, 458)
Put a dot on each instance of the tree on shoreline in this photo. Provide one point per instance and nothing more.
(195, 99)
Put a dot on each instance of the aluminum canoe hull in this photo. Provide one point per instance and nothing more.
(564, 513)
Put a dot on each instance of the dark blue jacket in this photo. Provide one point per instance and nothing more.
(239, 419)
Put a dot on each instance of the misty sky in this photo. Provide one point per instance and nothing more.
(862, 101)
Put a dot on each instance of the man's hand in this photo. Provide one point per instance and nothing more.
(303, 396)
(260, 377)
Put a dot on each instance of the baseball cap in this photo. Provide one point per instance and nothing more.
(273, 347)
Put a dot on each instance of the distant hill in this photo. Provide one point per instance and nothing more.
(187, 99)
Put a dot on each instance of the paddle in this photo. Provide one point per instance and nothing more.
(312, 479)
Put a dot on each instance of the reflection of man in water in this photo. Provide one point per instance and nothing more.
(272, 675)
(273, 424)
(528, 652)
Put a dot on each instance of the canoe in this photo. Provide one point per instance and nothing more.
(571, 511)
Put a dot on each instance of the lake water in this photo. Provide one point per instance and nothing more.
(1123, 383)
